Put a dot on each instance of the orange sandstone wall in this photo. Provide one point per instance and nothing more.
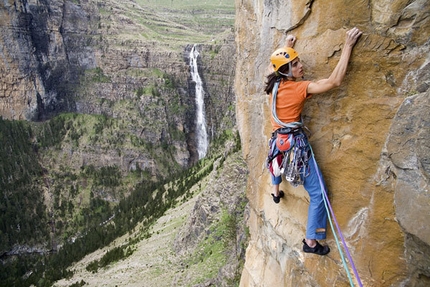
(369, 135)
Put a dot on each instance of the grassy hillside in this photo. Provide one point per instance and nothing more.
(80, 212)
(148, 256)
(171, 22)
(206, 17)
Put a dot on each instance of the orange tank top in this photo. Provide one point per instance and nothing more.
(290, 101)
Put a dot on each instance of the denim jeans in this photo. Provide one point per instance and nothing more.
(317, 213)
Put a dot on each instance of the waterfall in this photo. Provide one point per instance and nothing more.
(201, 133)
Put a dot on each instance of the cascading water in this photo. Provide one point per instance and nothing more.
(201, 133)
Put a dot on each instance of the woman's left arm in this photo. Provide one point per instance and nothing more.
(339, 71)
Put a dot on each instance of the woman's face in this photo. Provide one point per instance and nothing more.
(297, 68)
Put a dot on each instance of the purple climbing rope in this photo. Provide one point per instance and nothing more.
(324, 192)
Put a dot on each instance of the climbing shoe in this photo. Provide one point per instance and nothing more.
(277, 199)
(318, 249)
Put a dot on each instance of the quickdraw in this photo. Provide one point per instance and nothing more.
(295, 163)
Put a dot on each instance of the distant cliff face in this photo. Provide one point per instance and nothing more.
(107, 84)
(119, 60)
(370, 137)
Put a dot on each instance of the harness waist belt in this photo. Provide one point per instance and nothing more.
(285, 130)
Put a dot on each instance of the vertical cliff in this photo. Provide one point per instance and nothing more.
(370, 137)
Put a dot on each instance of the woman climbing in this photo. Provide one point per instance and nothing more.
(290, 152)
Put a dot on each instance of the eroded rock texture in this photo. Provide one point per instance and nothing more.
(370, 138)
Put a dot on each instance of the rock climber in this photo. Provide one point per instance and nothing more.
(290, 154)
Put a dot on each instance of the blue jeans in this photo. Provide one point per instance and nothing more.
(317, 213)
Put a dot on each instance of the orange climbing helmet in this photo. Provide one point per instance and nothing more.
(283, 56)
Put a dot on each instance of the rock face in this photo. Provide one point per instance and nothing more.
(43, 53)
(222, 196)
(369, 135)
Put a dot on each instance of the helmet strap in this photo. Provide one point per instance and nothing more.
(290, 70)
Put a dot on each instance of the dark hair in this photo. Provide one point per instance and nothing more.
(273, 77)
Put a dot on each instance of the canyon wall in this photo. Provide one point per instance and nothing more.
(105, 85)
(370, 137)
(123, 61)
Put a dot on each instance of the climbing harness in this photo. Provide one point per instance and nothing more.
(295, 167)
